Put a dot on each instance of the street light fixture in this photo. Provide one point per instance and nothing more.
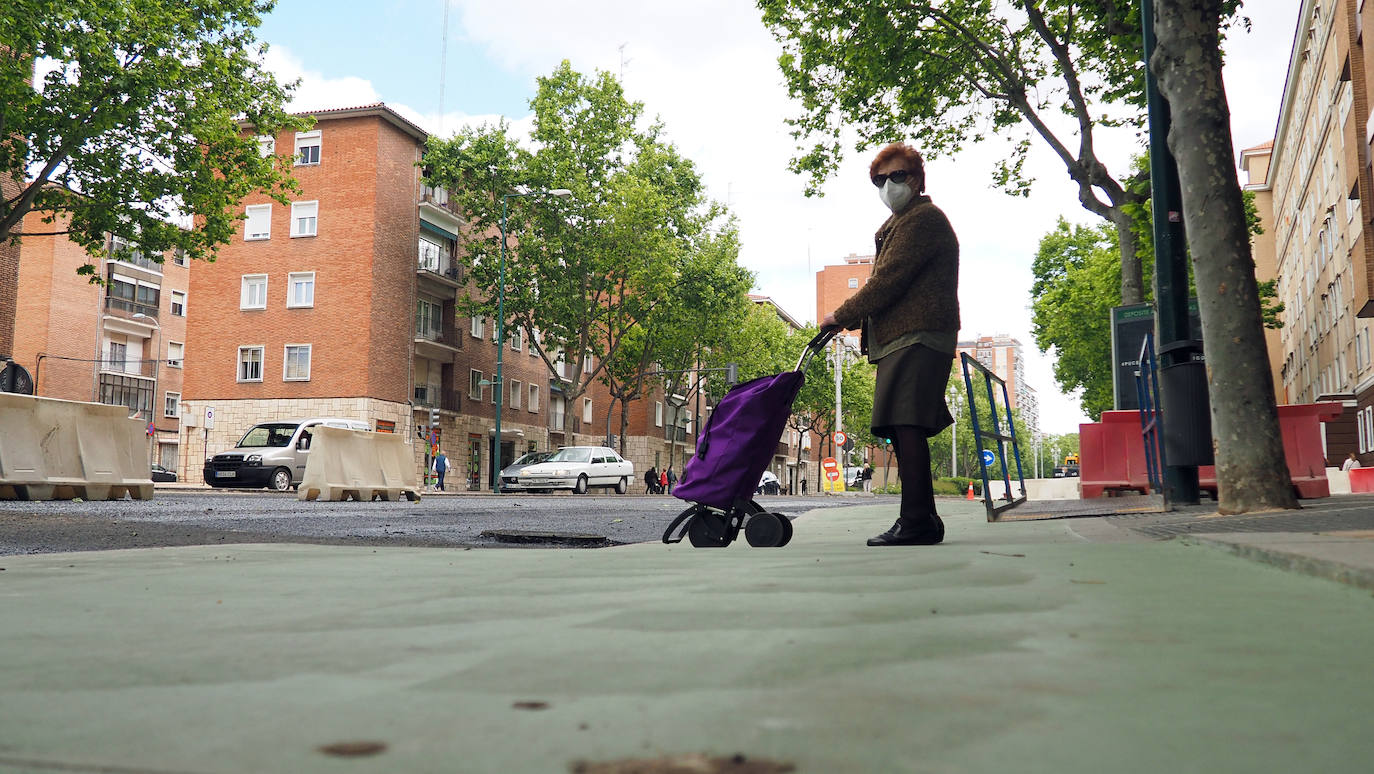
(500, 382)
(157, 363)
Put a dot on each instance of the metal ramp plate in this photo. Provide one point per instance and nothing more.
(1041, 510)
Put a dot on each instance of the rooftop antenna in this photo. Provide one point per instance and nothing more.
(623, 61)
(443, 68)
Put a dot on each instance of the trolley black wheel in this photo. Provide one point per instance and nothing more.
(765, 530)
(786, 529)
(708, 530)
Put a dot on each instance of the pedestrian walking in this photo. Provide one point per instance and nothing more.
(672, 480)
(1351, 462)
(663, 482)
(651, 480)
(441, 467)
(803, 485)
(908, 317)
(868, 478)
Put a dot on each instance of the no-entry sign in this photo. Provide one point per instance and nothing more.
(831, 468)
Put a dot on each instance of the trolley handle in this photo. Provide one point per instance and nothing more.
(815, 346)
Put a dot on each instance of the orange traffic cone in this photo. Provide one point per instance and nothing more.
(970, 492)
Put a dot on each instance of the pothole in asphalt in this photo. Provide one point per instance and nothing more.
(541, 537)
(353, 749)
(685, 764)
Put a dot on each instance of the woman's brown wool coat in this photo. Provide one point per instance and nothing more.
(915, 281)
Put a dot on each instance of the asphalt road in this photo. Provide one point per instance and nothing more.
(193, 517)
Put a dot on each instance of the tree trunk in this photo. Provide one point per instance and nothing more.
(1132, 279)
(1252, 473)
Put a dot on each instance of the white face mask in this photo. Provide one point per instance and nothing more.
(896, 195)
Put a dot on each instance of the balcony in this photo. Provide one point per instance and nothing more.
(135, 258)
(431, 343)
(431, 396)
(126, 390)
(114, 304)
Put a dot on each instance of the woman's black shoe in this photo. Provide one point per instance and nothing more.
(925, 532)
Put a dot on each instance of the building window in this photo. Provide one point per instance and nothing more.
(687, 424)
(300, 290)
(267, 145)
(474, 384)
(658, 413)
(304, 216)
(259, 223)
(587, 411)
(179, 257)
(587, 363)
(431, 255)
(307, 148)
(175, 350)
(429, 320)
(253, 292)
(296, 364)
(478, 327)
(853, 282)
(178, 303)
(116, 356)
(250, 364)
(534, 399)
(172, 406)
(515, 394)
(517, 339)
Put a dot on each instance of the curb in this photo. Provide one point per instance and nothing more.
(1292, 561)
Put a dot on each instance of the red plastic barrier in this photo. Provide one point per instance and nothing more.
(1113, 452)
(1362, 480)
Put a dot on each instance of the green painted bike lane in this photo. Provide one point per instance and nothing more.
(1012, 647)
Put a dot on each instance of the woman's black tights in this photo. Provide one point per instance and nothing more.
(913, 466)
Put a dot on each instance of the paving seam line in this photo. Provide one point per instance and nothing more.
(1293, 562)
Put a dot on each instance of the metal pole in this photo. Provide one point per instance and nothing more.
(839, 355)
(1171, 267)
(954, 441)
(500, 345)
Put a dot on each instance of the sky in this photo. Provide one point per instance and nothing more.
(708, 69)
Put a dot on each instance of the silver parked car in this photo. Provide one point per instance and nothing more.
(510, 475)
(579, 468)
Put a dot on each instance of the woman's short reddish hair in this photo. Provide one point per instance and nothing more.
(900, 150)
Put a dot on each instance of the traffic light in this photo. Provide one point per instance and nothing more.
(434, 417)
(731, 374)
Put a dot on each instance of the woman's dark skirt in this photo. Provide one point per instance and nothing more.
(911, 391)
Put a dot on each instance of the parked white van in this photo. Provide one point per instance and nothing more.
(271, 454)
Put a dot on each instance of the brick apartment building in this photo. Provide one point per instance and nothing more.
(342, 304)
(1002, 354)
(835, 284)
(1311, 182)
(120, 344)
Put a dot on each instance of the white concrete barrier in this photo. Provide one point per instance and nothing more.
(1039, 488)
(59, 449)
(357, 465)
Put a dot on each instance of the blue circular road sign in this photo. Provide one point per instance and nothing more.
(988, 458)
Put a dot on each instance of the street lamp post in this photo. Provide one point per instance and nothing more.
(501, 327)
(157, 363)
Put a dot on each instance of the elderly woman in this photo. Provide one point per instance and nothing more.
(908, 313)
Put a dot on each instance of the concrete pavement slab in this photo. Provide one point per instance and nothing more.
(1021, 647)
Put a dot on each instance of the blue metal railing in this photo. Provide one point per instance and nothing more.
(994, 511)
(1151, 418)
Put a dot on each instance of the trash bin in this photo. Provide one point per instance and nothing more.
(1185, 404)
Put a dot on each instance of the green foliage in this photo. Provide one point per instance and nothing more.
(634, 268)
(952, 73)
(1077, 282)
(140, 123)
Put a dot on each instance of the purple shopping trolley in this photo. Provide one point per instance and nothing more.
(734, 449)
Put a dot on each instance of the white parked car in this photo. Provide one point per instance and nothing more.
(579, 468)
